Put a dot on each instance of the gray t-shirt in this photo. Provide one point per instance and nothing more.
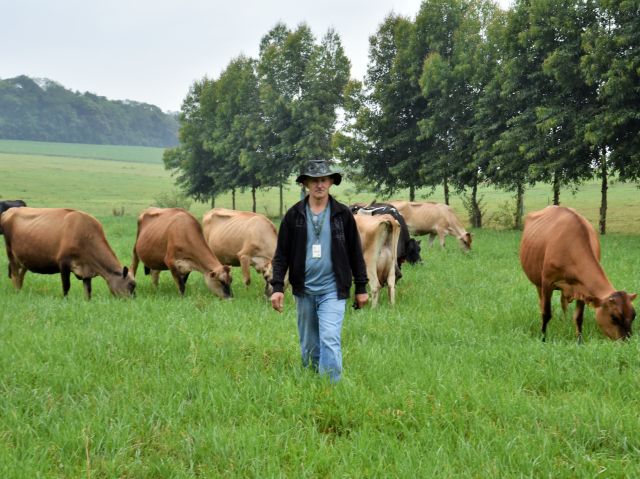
(318, 271)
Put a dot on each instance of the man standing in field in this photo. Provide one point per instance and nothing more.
(318, 243)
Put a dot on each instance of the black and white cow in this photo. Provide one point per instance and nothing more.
(408, 248)
(6, 204)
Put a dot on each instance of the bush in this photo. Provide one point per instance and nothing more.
(172, 199)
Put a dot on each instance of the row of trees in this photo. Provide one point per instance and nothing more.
(43, 110)
(251, 127)
(462, 95)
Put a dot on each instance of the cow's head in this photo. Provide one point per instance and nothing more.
(219, 281)
(465, 241)
(615, 314)
(412, 251)
(122, 283)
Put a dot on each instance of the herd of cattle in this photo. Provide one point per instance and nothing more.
(559, 251)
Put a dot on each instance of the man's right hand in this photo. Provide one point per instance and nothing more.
(277, 301)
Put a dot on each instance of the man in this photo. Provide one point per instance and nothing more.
(318, 243)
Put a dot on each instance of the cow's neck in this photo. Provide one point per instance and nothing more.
(590, 281)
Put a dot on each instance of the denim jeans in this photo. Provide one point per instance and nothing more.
(320, 327)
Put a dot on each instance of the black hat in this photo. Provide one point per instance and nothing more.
(318, 168)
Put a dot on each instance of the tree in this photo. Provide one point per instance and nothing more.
(380, 142)
(611, 63)
(193, 164)
(454, 76)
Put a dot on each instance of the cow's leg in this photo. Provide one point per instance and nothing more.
(134, 262)
(86, 282)
(179, 280)
(186, 277)
(391, 284)
(432, 237)
(65, 275)
(245, 264)
(578, 316)
(155, 276)
(441, 237)
(545, 308)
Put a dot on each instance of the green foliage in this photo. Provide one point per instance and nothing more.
(46, 111)
(172, 199)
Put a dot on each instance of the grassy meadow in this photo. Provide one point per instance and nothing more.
(451, 382)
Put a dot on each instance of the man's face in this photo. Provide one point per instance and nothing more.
(318, 187)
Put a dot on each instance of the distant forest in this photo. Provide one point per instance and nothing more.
(43, 110)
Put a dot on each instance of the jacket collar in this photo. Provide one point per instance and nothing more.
(301, 206)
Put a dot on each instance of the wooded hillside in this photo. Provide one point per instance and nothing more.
(43, 110)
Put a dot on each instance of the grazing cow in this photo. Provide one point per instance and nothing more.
(560, 250)
(408, 248)
(433, 219)
(58, 240)
(379, 237)
(172, 238)
(6, 204)
(242, 238)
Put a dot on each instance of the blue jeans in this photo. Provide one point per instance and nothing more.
(320, 327)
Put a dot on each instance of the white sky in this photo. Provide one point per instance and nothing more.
(153, 50)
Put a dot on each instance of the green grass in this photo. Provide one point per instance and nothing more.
(133, 154)
(451, 382)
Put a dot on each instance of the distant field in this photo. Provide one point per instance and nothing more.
(134, 154)
(99, 178)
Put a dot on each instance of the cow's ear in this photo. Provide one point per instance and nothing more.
(125, 272)
(633, 296)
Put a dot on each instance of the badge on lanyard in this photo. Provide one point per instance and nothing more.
(316, 251)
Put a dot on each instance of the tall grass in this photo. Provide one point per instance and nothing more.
(451, 382)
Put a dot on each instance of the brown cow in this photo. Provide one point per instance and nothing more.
(560, 250)
(379, 237)
(242, 238)
(58, 240)
(433, 219)
(171, 238)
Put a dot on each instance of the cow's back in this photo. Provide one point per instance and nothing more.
(229, 231)
(557, 240)
(174, 230)
(38, 237)
(421, 217)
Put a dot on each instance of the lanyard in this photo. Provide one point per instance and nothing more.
(317, 227)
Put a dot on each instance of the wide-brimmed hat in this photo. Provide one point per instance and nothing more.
(318, 168)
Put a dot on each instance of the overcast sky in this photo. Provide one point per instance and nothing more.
(152, 50)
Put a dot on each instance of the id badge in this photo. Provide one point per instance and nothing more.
(316, 251)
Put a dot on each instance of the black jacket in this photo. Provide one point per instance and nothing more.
(346, 251)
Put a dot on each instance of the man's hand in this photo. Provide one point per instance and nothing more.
(361, 299)
(277, 301)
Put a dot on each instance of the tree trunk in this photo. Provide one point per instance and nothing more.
(519, 206)
(233, 198)
(213, 202)
(281, 201)
(412, 193)
(446, 190)
(603, 197)
(556, 189)
(253, 197)
(476, 214)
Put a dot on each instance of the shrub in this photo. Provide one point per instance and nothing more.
(172, 199)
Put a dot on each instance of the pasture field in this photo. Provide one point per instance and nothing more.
(451, 382)
(101, 178)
